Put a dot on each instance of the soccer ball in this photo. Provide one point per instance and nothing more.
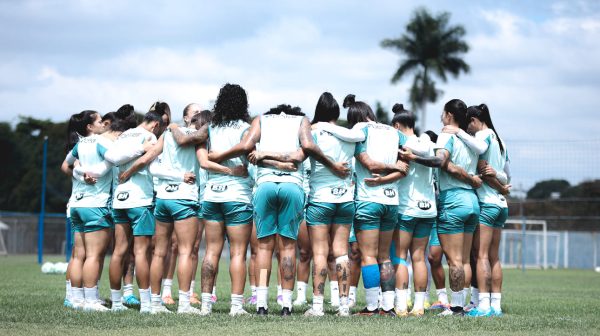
(598, 269)
(47, 267)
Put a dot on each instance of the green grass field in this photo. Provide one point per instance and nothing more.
(535, 303)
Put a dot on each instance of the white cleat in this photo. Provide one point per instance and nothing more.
(146, 310)
(343, 311)
(189, 310)
(314, 313)
(238, 312)
(78, 305)
(118, 308)
(94, 307)
(159, 310)
(351, 303)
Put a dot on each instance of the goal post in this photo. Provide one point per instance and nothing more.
(523, 237)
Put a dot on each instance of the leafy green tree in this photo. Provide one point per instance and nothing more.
(544, 189)
(430, 46)
(381, 113)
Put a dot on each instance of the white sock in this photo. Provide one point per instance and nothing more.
(344, 301)
(237, 301)
(77, 294)
(253, 290)
(458, 298)
(262, 294)
(495, 301)
(68, 290)
(387, 301)
(465, 296)
(484, 301)
(279, 290)
(317, 303)
(400, 301)
(334, 289)
(372, 296)
(115, 297)
(184, 299)
(145, 297)
(214, 292)
(442, 295)
(475, 296)
(287, 298)
(166, 288)
(89, 294)
(301, 291)
(419, 301)
(352, 293)
(206, 301)
(127, 290)
(156, 300)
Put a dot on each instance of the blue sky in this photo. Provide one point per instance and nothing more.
(535, 63)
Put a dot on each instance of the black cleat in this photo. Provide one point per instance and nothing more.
(262, 311)
(367, 312)
(286, 311)
(390, 313)
(457, 311)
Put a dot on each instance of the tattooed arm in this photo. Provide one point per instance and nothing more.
(195, 138)
(340, 169)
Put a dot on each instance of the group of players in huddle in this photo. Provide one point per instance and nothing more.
(371, 199)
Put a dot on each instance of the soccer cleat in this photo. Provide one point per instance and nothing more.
(118, 308)
(390, 313)
(314, 313)
(497, 312)
(476, 312)
(453, 311)
(343, 311)
(438, 305)
(280, 300)
(205, 311)
(188, 310)
(77, 305)
(262, 311)
(130, 300)
(159, 310)
(367, 312)
(94, 307)
(194, 299)
(417, 312)
(146, 310)
(469, 307)
(213, 298)
(252, 300)
(351, 303)
(67, 303)
(401, 313)
(285, 311)
(426, 305)
(238, 312)
(299, 302)
(168, 300)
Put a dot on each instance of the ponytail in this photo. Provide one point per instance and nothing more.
(358, 111)
(482, 113)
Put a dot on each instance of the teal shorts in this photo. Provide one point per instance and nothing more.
(434, 240)
(278, 209)
(90, 219)
(419, 227)
(141, 220)
(492, 215)
(459, 211)
(375, 216)
(169, 211)
(352, 237)
(321, 213)
(231, 213)
(199, 212)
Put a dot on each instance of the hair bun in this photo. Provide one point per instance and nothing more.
(484, 108)
(349, 100)
(398, 108)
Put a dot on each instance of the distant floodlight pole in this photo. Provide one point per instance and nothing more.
(42, 205)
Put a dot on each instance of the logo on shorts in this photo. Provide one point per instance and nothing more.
(389, 192)
(218, 187)
(79, 196)
(338, 191)
(172, 188)
(122, 196)
(424, 205)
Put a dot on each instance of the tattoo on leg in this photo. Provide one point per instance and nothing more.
(345, 274)
(457, 278)
(388, 276)
(288, 268)
(487, 274)
(338, 267)
(321, 288)
(208, 277)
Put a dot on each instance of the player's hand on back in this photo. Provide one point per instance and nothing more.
(341, 169)
(189, 178)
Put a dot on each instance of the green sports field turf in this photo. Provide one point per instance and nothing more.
(535, 302)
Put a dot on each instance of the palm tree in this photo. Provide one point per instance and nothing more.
(429, 45)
